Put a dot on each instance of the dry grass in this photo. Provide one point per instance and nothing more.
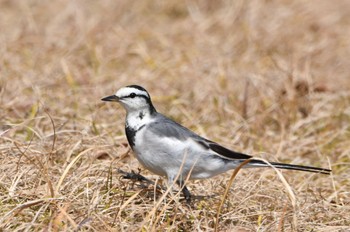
(269, 78)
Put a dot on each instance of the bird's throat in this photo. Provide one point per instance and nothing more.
(136, 120)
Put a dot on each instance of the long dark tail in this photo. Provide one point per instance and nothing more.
(260, 163)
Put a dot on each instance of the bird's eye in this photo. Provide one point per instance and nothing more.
(132, 95)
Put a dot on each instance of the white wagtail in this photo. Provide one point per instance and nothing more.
(166, 148)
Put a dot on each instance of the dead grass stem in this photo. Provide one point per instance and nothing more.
(268, 78)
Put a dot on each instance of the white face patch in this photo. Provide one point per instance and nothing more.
(134, 99)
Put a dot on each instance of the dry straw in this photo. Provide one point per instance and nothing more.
(254, 76)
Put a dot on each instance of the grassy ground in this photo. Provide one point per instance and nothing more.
(268, 78)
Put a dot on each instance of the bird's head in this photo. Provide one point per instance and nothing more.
(132, 98)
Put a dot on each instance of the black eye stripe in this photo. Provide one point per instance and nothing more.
(133, 95)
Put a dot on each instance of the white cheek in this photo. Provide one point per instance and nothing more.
(137, 102)
(128, 104)
(124, 104)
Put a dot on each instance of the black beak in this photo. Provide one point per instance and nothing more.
(111, 98)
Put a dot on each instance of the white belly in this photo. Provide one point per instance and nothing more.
(169, 156)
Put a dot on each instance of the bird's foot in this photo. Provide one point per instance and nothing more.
(134, 176)
(187, 195)
(138, 177)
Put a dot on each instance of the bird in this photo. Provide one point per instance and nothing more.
(168, 149)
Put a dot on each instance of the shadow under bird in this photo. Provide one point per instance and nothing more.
(169, 149)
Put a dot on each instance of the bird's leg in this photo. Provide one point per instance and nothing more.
(187, 194)
(137, 177)
(134, 176)
(185, 191)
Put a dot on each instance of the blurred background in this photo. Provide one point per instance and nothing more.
(269, 78)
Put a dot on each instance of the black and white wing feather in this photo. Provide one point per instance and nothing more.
(165, 127)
